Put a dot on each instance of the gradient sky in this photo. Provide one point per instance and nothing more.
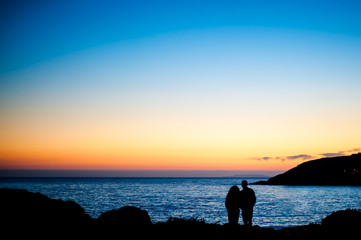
(178, 85)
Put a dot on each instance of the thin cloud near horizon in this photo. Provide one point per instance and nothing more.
(308, 157)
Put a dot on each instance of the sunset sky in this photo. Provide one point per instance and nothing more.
(178, 85)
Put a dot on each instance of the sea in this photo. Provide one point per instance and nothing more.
(201, 198)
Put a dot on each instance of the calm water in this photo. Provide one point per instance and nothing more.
(277, 206)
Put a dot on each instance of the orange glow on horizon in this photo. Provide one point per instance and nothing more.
(139, 161)
(165, 141)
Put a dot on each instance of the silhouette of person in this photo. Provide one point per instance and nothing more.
(232, 205)
(247, 201)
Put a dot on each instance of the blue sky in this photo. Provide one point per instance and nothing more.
(177, 84)
(35, 31)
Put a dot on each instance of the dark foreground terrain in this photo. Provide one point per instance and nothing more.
(33, 215)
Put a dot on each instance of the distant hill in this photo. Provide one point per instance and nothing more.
(345, 170)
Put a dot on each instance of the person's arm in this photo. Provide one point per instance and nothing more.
(254, 198)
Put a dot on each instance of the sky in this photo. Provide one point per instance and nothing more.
(178, 85)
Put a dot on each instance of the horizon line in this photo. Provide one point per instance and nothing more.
(136, 173)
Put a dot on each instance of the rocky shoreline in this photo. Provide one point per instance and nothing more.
(26, 214)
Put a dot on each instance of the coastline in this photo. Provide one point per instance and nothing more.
(37, 215)
(332, 171)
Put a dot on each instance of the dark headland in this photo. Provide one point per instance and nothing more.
(30, 215)
(336, 171)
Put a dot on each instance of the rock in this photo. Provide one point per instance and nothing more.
(129, 222)
(259, 183)
(343, 220)
(24, 212)
(127, 216)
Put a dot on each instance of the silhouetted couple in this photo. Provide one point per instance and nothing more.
(244, 200)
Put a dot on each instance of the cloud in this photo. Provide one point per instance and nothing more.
(300, 156)
(262, 158)
(295, 157)
(355, 150)
(308, 157)
(283, 158)
(341, 153)
(338, 154)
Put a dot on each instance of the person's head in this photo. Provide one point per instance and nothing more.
(233, 190)
(244, 183)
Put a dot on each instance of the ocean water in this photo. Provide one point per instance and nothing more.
(277, 206)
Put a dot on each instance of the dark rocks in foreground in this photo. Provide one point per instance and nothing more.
(26, 214)
(348, 220)
(336, 171)
(127, 216)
